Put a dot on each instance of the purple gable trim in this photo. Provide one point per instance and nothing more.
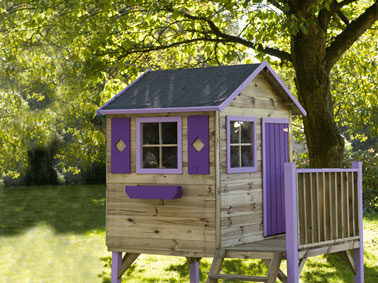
(258, 70)
(254, 145)
(153, 192)
(264, 163)
(99, 111)
(242, 86)
(159, 110)
(284, 87)
(120, 161)
(139, 151)
(198, 162)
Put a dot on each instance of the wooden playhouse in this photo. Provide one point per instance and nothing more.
(198, 165)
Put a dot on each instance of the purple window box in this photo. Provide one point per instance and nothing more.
(153, 192)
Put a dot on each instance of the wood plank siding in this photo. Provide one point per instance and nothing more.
(184, 226)
(241, 201)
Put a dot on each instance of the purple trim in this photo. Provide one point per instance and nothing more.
(194, 272)
(153, 192)
(275, 120)
(325, 170)
(287, 91)
(258, 70)
(198, 162)
(116, 264)
(159, 110)
(120, 161)
(291, 222)
(254, 145)
(99, 111)
(267, 181)
(139, 168)
(359, 253)
(243, 85)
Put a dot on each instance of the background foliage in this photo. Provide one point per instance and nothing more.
(60, 60)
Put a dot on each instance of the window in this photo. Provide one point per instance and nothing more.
(159, 144)
(241, 144)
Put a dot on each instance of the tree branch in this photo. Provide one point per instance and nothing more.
(344, 3)
(351, 33)
(283, 55)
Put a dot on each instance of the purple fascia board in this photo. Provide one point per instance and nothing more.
(159, 110)
(284, 87)
(264, 156)
(326, 170)
(139, 151)
(153, 192)
(242, 85)
(254, 143)
(261, 67)
(99, 111)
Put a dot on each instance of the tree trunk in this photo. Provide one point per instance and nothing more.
(325, 144)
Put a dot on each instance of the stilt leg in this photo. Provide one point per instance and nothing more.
(116, 264)
(194, 271)
(359, 265)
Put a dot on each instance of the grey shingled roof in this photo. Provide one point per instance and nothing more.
(194, 87)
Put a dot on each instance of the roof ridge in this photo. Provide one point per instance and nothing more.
(207, 67)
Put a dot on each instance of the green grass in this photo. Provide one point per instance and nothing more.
(56, 234)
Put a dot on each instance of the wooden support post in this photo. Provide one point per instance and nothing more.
(216, 266)
(274, 267)
(291, 222)
(359, 253)
(346, 256)
(116, 264)
(127, 260)
(281, 276)
(194, 269)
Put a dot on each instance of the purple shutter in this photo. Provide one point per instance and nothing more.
(198, 144)
(120, 146)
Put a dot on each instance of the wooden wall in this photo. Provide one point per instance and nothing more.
(241, 217)
(184, 227)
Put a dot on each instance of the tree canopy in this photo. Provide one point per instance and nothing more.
(63, 59)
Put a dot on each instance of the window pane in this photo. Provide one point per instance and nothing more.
(150, 133)
(246, 157)
(150, 157)
(246, 132)
(234, 131)
(169, 134)
(234, 156)
(169, 157)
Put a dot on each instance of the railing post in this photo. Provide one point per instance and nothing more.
(359, 253)
(116, 264)
(291, 222)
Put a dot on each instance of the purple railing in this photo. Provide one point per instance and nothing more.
(322, 207)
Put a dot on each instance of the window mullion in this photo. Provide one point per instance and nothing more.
(239, 148)
(160, 147)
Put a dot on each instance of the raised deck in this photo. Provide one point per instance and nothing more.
(323, 215)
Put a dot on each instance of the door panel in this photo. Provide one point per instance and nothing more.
(275, 153)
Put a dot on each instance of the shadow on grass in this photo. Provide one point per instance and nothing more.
(335, 269)
(68, 209)
(231, 266)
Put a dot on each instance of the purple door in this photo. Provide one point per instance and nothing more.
(275, 153)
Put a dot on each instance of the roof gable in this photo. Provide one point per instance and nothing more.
(185, 90)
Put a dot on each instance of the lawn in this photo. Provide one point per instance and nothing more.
(56, 234)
